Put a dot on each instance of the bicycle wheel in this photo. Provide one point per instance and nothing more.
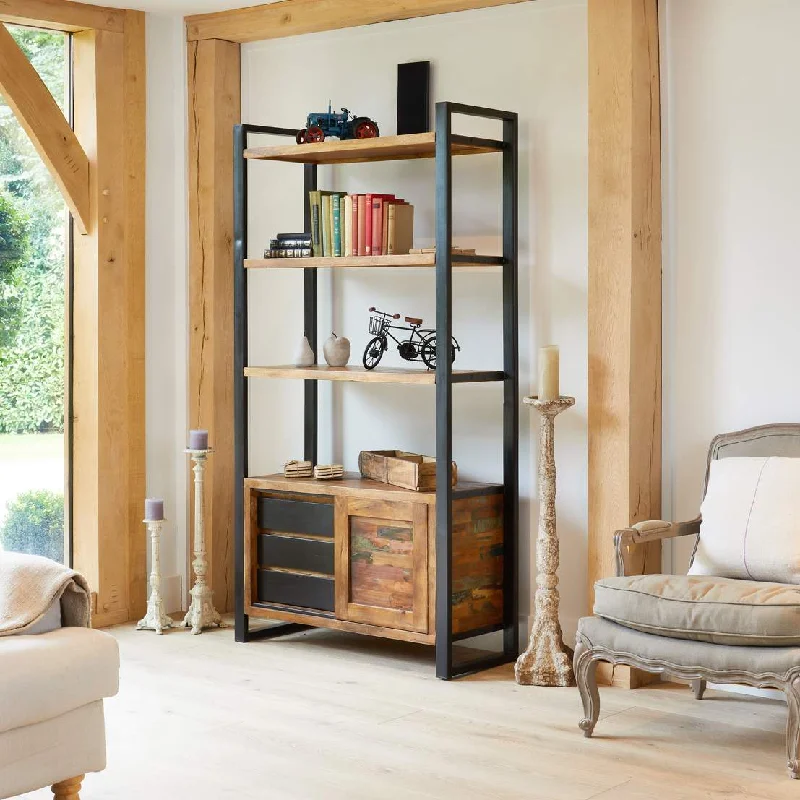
(373, 352)
(428, 352)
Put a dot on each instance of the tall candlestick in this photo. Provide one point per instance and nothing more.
(546, 662)
(201, 613)
(548, 373)
(155, 619)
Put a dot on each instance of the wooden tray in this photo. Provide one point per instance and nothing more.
(407, 470)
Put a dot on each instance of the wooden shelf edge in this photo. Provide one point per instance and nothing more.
(382, 148)
(404, 260)
(355, 374)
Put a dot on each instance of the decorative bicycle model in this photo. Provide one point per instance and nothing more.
(419, 345)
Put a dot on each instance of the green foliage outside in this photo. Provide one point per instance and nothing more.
(35, 524)
(32, 261)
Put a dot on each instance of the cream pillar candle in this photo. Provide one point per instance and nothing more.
(548, 373)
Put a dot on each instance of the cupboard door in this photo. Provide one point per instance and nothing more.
(382, 565)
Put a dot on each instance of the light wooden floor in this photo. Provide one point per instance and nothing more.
(329, 715)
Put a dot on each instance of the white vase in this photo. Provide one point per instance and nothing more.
(305, 355)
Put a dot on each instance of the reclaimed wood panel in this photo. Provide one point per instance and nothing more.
(477, 563)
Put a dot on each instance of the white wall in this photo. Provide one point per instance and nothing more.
(530, 58)
(732, 205)
(166, 293)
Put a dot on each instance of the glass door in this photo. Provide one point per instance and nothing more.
(35, 249)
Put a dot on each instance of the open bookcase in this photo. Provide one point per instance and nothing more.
(297, 558)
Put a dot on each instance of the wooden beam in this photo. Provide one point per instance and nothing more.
(43, 121)
(62, 15)
(624, 278)
(296, 17)
(108, 327)
(214, 108)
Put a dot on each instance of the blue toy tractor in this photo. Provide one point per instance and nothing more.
(343, 126)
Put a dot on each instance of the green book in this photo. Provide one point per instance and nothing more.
(336, 202)
(327, 230)
(315, 205)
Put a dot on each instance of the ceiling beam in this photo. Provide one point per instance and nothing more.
(45, 124)
(296, 17)
(62, 15)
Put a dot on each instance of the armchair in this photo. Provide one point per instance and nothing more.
(727, 629)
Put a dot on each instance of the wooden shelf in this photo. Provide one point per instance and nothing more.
(382, 148)
(360, 375)
(407, 260)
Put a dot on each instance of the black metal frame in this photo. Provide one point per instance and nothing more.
(446, 667)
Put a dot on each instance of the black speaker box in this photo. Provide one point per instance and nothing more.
(413, 97)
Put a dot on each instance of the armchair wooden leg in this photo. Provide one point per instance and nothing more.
(698, 687)
(585, 669)
(68, 789)
(792, 690)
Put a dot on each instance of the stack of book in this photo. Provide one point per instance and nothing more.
(298, 469)
(328, 472)
(289, 245)
(360, 224)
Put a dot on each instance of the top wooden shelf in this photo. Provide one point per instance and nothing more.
(382, 148)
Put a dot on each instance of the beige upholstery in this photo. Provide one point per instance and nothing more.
(47, 675)
(40, 755)
(751, 519)
(711, 658)
(706, 609)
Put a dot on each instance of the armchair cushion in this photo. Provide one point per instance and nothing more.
(705, 609)
(751, 520)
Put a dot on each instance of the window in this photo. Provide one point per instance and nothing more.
(34, 282)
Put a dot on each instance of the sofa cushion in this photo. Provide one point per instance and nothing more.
(706, 609)
(751, 520)
(49, 674)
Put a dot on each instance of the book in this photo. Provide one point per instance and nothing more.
(336, 211)
(315, 204)
(354, 226)
(347, 245)
(401, 223)
(367, 251)
(385, 232)
(378, 202)
(362, 225)
(327, 232)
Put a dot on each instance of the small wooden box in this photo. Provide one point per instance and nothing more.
(407, 470)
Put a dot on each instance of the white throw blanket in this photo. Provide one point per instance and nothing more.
(29, 585)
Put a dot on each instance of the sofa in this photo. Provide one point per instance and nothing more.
(56, 672)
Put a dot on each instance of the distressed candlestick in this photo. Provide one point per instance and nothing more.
(201, 613)
(155, 619)
(546, 662)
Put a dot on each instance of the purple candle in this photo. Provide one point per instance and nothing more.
(153, 509)
(198, 440)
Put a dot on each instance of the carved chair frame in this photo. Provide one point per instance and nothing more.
(588, 654)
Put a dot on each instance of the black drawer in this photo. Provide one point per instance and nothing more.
(288, 589)
(287, 552)
(295, 516)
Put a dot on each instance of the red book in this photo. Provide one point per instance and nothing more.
(377, 224)
(368, 225)
(362, 225)
(354, 228)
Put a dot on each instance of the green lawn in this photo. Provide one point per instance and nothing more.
(30, 461)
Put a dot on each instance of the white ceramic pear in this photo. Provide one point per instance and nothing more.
(336, 350)
(305, 355)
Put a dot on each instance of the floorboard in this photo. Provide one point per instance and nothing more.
(323, 714)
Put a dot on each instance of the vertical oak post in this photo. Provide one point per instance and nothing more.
(624, 279)
(214, 108)
(108, 322)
